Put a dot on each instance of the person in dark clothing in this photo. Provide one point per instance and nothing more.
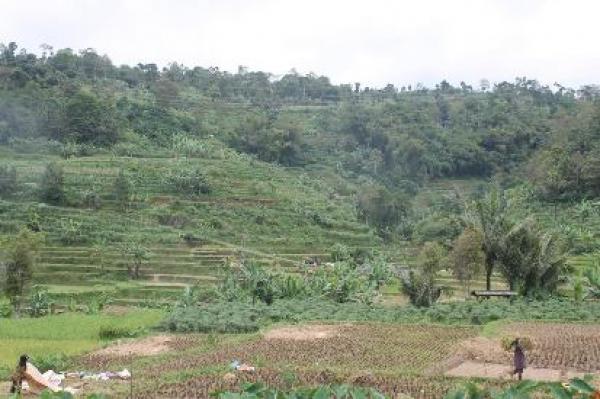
(19, 374)
(520, 361)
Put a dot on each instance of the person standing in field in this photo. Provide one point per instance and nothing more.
(520, 361)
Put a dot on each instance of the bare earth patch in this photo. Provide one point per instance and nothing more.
(303, 333)
(559, 352)
(143, 347)
(482, 349)
(471, 368)
(555, 346)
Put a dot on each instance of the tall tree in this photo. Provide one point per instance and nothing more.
(517, 252)
(467, 257)
(549, 267)
(21, 256)
(90, 120)
(491, 216)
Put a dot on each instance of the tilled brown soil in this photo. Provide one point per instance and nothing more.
(573, 347)
(370, 355)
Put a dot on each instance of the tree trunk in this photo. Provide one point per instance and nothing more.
(488, 278)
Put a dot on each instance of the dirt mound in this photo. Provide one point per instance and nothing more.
(484, 349)
(144, 347)
(303, 333)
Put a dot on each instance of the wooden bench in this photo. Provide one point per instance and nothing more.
(491, 293)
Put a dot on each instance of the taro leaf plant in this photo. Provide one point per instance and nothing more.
(259, 391)
(577, 388)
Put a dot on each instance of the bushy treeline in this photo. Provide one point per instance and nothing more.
(391, 141)
(394, 135)
(236, 317)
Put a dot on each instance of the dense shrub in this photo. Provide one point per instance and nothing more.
(247, 317)
(339, 252)
(421, 289)
(122, 188)
(73, 232)
(52, 190)
(191, 146)
(437, 228)
(39, 302)
(51, 361)
(114, 332)
(5, 307)
(90, 119)
(92, 200)
(188, 181)
(381, 208)
(8, 180)
(72, 149)
(176, 220)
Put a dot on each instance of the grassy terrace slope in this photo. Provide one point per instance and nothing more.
(275, 216)
(257, 211)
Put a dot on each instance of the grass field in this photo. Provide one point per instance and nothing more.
(69, 334)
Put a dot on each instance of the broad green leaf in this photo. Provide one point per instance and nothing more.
(340, 391)
(374, 394)
(322, 393)
(358, 393)
(456, 395)
(559, 392)
(582, 386)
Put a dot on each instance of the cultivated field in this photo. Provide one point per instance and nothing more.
(414, 360)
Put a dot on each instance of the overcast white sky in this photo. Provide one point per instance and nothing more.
(370, 41)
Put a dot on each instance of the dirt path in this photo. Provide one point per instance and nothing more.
(304, 333)
(143, 347)
(471, 368)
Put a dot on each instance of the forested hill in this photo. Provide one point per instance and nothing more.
(393, 139)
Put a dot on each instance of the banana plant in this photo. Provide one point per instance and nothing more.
(577, 388)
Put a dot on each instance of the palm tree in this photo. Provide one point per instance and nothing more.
(490, 216)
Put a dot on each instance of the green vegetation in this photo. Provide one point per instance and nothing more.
(20, 255)
(576, 388)
(257, 390)
(52, 184)
(237, 201)
(245, 317)
(67, 335)
(523, 390)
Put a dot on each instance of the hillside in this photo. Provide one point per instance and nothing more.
(185, 170)
(256, 211)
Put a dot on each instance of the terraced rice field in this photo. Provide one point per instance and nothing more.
(256, 212)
